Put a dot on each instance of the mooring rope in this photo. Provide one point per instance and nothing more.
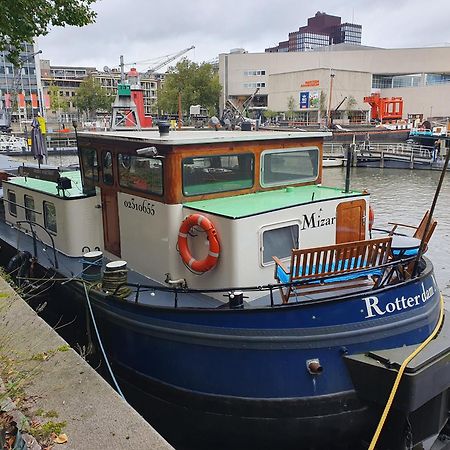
(388, 406)
(91, 312)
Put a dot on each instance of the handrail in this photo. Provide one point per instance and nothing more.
(35, 238)
(268, 287)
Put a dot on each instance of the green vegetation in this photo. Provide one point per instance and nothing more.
(44, 432)
(23, 20)
(291, 107)
(198, 84)
(57, 102)
(92, 97)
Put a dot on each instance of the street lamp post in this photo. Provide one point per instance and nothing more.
(18, 78)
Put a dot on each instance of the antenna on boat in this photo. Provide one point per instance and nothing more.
(433, 205)
(75, 127)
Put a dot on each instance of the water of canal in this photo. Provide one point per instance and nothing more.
(401, 195)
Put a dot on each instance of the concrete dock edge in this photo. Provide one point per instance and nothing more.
(55, 378)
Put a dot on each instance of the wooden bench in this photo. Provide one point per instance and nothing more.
(338, 262)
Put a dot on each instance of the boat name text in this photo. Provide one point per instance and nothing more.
(314, 221)
(374, 309)
(145, 206)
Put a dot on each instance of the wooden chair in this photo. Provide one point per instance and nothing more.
(419, 230)
(338, 263)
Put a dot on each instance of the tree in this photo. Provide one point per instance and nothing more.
(57, 101)
(198, 84)
(23, 20)
(291, 106)
(269, 114)
(91, 97)
(351, 103)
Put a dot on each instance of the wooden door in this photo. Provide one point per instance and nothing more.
(351, 221)
(111, 228)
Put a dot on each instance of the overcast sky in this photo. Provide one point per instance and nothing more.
(145, 30)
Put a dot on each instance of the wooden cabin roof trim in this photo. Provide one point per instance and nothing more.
(201, 137)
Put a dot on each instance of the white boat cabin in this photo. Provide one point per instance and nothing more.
(259, 192)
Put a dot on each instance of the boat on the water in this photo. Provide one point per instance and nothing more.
(10, 143)
(243, 304)
(332, 162)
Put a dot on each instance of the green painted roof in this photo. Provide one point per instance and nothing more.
(49, 187)
(261, 202)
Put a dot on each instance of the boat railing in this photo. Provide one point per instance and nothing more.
(388, 270)
(36, 238)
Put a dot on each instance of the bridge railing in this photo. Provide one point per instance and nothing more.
(401, 149)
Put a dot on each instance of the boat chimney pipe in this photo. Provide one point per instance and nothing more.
(163, 128)
(348, 167)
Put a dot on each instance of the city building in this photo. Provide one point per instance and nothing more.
(322, 30)
(69, 78)
(20, 84)
(421, 76)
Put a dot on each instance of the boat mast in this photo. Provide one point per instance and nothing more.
(329, 100)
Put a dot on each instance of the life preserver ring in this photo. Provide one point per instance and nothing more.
(371, 217)
(210, 261)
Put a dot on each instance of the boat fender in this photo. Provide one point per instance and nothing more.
(208, 263)
(371, 217)
(19, 265)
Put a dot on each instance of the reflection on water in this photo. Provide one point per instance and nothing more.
(403, 196)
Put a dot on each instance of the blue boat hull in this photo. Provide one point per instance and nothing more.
(243, 374)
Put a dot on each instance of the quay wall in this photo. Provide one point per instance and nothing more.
(53, 377)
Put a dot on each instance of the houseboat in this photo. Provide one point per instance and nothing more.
(241, 303)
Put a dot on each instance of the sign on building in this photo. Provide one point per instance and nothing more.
(304, 99)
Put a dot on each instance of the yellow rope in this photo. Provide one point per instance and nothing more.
(400, 374)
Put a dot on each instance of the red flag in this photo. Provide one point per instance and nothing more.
(21, 100)
(34, 101)
(7, 100)
(47, 101)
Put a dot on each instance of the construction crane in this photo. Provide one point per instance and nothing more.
(153, 69)
(334, 111)
(237, 115)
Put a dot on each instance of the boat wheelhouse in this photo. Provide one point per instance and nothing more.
(255, 304)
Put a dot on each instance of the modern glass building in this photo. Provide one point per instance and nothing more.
(322, 30)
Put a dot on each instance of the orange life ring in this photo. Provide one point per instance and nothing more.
(210, 261)
(371, 217)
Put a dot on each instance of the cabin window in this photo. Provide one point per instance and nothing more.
(290, 166)
(90, 169)
(141, 173)
(12, 205)
(279, 242)
(50, 216)
(28, 202)
(107, 168)
(222, 173)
